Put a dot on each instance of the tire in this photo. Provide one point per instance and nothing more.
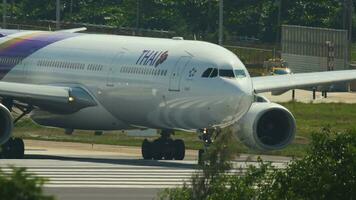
(200, 156)
(179, 149)
(169, 150)
(157, 152)
(19, 148)
(8, 149)
(13, 149)
(146, 149)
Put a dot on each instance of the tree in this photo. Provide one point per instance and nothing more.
(328, 171)
(20, 185)
(188, 18)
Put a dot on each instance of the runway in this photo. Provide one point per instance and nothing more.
(307, 97)
(75, 172)
(85, 176)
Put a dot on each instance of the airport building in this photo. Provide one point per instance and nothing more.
(310, 49)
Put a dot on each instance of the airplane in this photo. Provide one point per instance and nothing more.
(74, 80)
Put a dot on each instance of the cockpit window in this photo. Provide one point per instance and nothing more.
(228, 73)
(240, 73)
(207, 73)
(214, 73)
(210, 73)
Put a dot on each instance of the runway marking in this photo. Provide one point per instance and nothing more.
(74, 175)
(119, 177)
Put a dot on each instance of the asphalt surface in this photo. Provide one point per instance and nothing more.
(307, 97)
(103, 193)
(106, 176)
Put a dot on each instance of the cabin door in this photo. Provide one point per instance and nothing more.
(177, 73)
(113, 70)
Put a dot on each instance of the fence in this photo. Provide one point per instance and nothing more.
(253, 57)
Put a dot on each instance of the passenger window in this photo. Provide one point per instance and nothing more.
(207, 73)
(228, 73)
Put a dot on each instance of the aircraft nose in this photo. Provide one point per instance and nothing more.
(240, 93)
(236, 99)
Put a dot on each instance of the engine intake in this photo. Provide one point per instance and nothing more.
(6, 124)
(267, 126)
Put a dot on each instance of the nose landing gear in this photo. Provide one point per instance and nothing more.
(207, 136)
(163, 148)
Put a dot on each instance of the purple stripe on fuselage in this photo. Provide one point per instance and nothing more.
(13, 51)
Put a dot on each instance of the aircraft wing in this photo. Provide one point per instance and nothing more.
(48, 97)
(73, 30)
(301, 80)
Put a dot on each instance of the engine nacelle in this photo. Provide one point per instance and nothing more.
(267, 126)
(6, 124)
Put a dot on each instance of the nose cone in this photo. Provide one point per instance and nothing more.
(236, 99)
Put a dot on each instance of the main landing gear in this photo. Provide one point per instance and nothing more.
(14, 148)
(163, 148)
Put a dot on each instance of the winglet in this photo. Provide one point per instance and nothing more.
(73, 30)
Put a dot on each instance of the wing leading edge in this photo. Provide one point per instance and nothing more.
(302, 80)
(48, 97)
(73, 30)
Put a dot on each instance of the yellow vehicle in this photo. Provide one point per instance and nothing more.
(280, 71)
(277, 67)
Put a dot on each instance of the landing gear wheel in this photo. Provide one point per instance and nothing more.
(146, 149)
(7, 149)
(19, 148)
(14, 148)
(163, 148)
(200, 156)
(207, 136)
(157, 148)
(169, 150)
(179, 147)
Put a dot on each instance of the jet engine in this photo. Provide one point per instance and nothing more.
(6, 124)
(267, 126)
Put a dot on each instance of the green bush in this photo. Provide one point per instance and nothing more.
(210, 178)
(20, 185)
(328, 171)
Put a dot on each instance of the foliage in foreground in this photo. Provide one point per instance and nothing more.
(20, 185)
(328, 171)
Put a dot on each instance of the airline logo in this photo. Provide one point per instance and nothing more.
(152, 58)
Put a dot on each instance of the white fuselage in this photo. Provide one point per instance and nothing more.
(138, 82)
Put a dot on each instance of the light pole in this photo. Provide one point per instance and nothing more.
(347, 17)
(4, 9)
(71, 7)
(137, 14)
(221, 22)
(351, 8)
(344, 13)
(350, 13)
(58, 14)
(279, 4)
